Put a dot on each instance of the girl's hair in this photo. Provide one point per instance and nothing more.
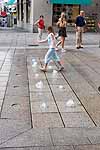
(62, 15)
(50, 29)
(41, 16)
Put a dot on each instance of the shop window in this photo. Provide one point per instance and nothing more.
(71, 12)
(18, 9)
(22, 13)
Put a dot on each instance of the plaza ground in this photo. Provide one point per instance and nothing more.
(62, 114)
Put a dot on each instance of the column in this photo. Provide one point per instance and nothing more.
(31, 15)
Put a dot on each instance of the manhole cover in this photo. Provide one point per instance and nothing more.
(99, 88)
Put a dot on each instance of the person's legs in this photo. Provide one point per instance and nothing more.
(81, 39)
(77, 39)
(48, 57)
(39, 33)
(56, 58)
(62, 43)
(58, 43)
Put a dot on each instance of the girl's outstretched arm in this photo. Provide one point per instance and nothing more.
(43, 41)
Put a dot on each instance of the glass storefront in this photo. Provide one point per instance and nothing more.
(71, 12)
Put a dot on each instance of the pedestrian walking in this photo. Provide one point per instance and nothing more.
(79, 27)
(41, 25)
(62, 23)
(51, 54)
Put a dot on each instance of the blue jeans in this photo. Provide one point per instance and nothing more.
(51, 55)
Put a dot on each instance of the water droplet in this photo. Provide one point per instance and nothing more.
(36, 75)
(54, 71)
(39, 85)
(34, 64)
(70, 103)
(43, 106)
(49, 67)
(33, 60)
(61, 87)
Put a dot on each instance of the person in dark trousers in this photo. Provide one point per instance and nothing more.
(79, 27)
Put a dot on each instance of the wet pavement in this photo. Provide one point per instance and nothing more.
(53, 110)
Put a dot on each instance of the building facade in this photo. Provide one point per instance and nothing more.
(30, 10)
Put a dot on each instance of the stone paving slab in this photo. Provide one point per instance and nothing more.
(66, 96)
(17, 91)
(43, 107)
(82, 91)
(64, 108)
(11, 128)
(33, 137)
(41, 97)
(77, 120)
(47, 120)
(42, 148)
(33, 88)
(90, 72)
(88, 147)
(50, 75)
(16, 108)
(61, 137)
(55, 81)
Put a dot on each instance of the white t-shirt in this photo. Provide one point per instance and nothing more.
(51, 40)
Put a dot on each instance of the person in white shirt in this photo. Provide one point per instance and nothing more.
(51, 54)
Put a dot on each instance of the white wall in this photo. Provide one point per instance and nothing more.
(41, 7)
(38, 7)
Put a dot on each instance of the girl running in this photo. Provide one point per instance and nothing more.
(51, 54)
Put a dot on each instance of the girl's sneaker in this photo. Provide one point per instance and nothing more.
(63, 50)
(56, 49)
(61, 68)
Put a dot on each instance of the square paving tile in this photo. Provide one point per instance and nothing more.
(3, 88)
(43, 107)
(66, 96)
(74, 108)
(64, 148)
(57, 81)
(32, 137)
(94, 139)
(15, 107)
(17, 91)
(88, 147)
(41, 96)
(46, 120)
(77, 120)
(3, 79)
(39, 88)
(3, 84)
(60, 89)
(61, 137)
(2, 94)
(1, 101)
(11, 128)
(52, 75)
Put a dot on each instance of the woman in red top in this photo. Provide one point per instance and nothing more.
(41, 26)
